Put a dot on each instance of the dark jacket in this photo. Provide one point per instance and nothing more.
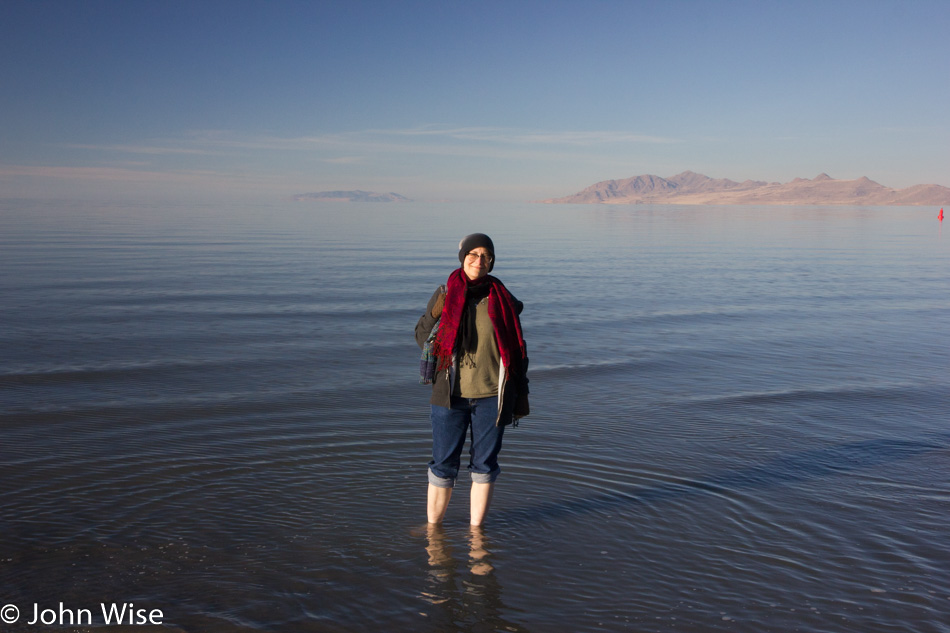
(512, 386)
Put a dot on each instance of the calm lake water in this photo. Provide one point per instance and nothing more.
(739, 419)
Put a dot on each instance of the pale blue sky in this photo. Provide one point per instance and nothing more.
(465, 100)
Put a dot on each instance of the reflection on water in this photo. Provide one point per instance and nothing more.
(462, 588)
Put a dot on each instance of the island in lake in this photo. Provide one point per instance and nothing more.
(350, 196)
(692, 188)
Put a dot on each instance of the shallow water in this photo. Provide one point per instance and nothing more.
(739, 418)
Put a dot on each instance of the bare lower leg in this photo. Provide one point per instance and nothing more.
(438, 503)
(481, 499)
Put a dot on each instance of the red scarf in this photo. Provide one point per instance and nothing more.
(501, 311)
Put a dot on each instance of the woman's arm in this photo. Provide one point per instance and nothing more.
(433, 312)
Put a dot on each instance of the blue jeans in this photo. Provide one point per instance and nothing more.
(449, 428)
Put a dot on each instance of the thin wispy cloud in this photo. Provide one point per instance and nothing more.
(471, 141)
(155, 149)
(525, 137)
(360, 158)
(114, 174)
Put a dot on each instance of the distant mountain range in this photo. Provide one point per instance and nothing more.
(351, 196)
(692, 188)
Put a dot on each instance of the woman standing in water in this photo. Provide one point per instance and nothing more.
(477, 363)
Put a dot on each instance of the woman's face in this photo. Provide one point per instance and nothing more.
(476, 263)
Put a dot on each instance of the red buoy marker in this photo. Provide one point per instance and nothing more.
(940, 215)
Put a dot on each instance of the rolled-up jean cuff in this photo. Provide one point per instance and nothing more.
(486, 478)
(440, 482)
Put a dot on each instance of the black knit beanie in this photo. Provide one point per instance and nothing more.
(473, 241)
